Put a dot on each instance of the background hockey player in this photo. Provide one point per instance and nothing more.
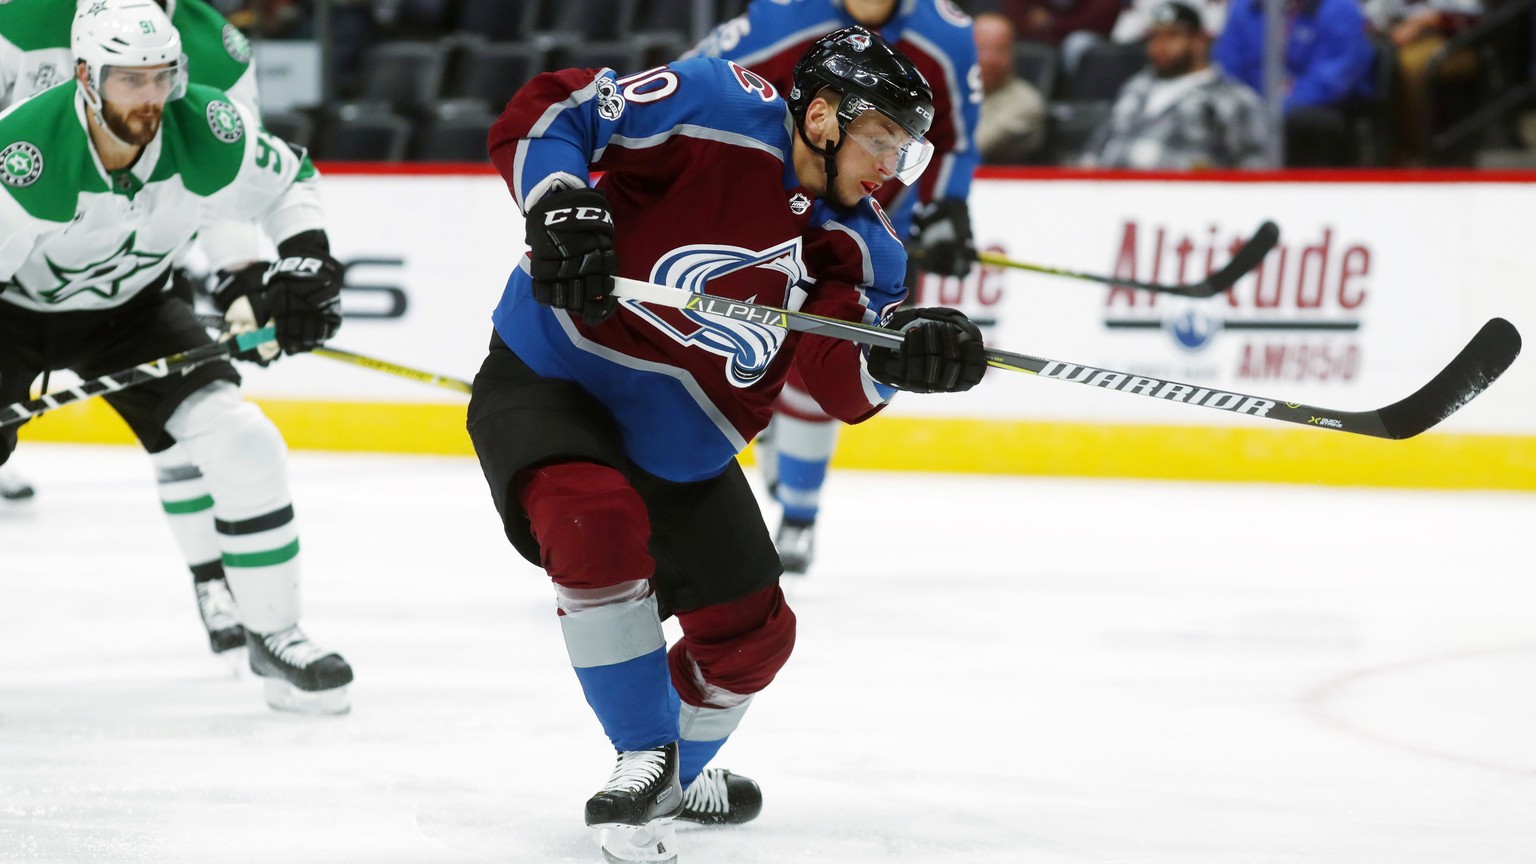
(35, 54)
(608, 431)
(768, 39)
(105, 184)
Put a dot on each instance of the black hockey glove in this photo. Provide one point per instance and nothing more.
(942, 352)
(240, 295)
(303, 293)
(941, 238)
(570, 240)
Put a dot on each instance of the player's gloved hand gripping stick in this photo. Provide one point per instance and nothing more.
(299, 294)
(1478, 365)
(19, 412)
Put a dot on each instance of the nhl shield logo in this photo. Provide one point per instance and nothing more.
(798, 203)
(20, 164)
(225, 121)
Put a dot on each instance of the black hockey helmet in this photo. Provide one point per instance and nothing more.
(869, 72)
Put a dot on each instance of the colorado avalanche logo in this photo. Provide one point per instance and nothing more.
(1192, 330)
(858, 41)
(748, 346)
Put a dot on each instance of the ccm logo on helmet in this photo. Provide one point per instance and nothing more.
(577, 214)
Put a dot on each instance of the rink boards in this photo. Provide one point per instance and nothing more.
(1379, 279)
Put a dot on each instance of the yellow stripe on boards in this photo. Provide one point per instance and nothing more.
(1236, 454)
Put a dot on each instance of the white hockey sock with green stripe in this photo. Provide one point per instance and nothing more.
(243, 461)
(189, 510)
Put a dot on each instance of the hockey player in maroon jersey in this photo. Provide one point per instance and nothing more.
(608, 430)
(937, 36)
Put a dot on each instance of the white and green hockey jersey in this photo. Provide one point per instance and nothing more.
(75, 237)
(35, 53)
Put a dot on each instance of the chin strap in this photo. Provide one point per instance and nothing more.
(829, 154)
(94, 106)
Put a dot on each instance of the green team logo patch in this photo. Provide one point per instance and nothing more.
(225, 121)
(20, 164)
(236, 44)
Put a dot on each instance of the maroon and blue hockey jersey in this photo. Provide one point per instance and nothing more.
(697, 167)
(772, 35)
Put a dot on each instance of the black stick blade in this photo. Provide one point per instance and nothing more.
(1478, 365)
(1247, 258)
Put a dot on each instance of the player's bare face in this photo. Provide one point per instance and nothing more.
(133, 100)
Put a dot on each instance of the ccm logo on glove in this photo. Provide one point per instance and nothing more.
(578, 214)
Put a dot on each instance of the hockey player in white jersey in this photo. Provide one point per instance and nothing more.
(36, 54)
(103, 187)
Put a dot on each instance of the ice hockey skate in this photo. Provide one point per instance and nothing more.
(299, 675)
(719, 797)
(14, 487)
(633, 812)
(796, 542)
(221, 618)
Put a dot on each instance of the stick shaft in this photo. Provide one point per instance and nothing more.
(1482, 361)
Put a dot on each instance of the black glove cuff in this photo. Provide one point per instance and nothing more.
(306, 244)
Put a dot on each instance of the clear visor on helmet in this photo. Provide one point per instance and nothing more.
(166, 82)
(896, 152)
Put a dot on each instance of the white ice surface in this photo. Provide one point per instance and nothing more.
(987, 671)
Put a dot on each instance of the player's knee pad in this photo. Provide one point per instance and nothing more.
(592, 527)
(731, 650)
(238, 450)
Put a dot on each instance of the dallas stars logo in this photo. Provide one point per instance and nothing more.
(225, 121)
(20, 164)
(103, 278)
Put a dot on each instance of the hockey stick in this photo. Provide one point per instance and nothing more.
(214, 322)
(19, 412)
(1482, 361)
(389, 368)
(1247, 258)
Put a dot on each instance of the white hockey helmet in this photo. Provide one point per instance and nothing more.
(127, 33)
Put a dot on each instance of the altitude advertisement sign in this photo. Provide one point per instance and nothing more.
(1372, 289)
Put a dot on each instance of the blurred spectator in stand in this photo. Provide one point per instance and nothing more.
(1072, 25)
(1012, 113)
(1181, 113)
(1328, 60)
(1418, 29)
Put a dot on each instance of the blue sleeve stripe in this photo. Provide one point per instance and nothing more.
(692, 130)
